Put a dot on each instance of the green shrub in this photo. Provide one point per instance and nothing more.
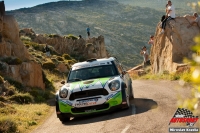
(48, 84)
(8, 126)
(22, 98)
(70, 36)
(67, 57)
(27, 45)
(70, 62)
(1, 80)
(32, 123)
(25, 38)
(49, 65)
(59, 58)
(12, 61)
(39, 95)
(40, 99)
(11, 91)
(75, 61)
(16, 84)
(53, 35)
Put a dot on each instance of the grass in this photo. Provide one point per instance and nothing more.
(148, 75)
(26, 116)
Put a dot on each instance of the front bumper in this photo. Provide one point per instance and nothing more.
(111, 102)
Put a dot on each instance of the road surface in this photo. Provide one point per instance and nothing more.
(154, 105)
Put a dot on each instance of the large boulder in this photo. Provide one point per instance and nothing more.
(29, 73)
(11, 45)
(170, 48)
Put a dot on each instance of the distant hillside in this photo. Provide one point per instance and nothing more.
(125, 28)
(181, 6)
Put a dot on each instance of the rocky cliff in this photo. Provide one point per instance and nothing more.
(170, 48)
(25, 70)
(91, 48)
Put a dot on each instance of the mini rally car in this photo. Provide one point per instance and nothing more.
(94, 86)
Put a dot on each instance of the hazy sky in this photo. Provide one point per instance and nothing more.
(16, 4)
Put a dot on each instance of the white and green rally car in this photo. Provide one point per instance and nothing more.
(94, 86)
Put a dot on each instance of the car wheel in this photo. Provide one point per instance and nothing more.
(61, 116)
(131, 95)
(127, 101)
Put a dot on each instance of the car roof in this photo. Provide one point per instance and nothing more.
(93, 62)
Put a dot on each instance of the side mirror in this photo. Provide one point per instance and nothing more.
(62, 82)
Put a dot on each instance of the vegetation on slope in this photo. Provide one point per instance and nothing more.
(23, 107)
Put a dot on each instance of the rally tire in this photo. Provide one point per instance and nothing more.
(127, 102)
(131, 95)
(63, 118)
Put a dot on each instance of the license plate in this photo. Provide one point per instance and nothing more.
(88, 102)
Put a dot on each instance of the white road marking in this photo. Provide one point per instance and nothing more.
(133, 109)
(126, 128)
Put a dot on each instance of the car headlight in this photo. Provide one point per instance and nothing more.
(63, 93)
(114, 85)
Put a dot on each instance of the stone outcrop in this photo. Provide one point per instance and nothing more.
(92, 48)
(170, 48)
(28, 73)
(11, 45)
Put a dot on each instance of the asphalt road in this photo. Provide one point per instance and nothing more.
(154, 105)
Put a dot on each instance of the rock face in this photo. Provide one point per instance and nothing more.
(11, 45)
(170, 48)
(92, 48)
(28, 73)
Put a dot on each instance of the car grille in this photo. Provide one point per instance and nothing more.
(88, 93)
(96, 108)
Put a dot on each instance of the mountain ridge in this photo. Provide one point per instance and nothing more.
(125, 28)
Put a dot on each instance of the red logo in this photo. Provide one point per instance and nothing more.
(184, 116)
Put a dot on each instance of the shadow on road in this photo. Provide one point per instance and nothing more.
(142, 105)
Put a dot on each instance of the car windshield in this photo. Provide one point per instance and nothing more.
(92, 72)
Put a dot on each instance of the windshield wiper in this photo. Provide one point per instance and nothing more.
(76, 79)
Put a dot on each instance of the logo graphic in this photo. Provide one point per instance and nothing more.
(184, 116)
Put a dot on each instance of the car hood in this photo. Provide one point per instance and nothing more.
(88, 84)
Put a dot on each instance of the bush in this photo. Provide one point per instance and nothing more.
(70, 62)
(8, 126)
(16, 84)
(70, 36)
(59, 58)
(53, 35)
(39, 95)
(22, 98)
(49, 65)
(67, 57)
(25, 38)
(11, 91)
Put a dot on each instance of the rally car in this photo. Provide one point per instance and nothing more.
(94, 86)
